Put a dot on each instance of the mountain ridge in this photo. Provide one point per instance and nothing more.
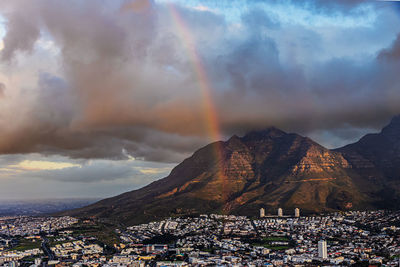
(267, 168)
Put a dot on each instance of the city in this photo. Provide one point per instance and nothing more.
(354, 238)
(199, 133)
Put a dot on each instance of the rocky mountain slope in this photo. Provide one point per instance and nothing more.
(269, 169)
(375, 159)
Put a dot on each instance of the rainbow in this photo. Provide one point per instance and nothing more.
(210, 114)
(200, 72)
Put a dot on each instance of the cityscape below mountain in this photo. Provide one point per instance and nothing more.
(267, 169)
(268, 198)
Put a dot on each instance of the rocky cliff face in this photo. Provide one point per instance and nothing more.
(378, 152)
(375, 160)
(269, 169)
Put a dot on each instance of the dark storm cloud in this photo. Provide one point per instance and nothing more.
(392, 53)
(22, 34)
(128, 83)
(107, 102)
(341, 3)
(340, 92)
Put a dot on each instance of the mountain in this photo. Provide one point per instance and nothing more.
(375, 158)
(270, 169)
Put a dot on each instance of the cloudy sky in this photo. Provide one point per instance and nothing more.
(102, 97)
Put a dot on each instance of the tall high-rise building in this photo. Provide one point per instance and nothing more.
(280, 212)
(322, 249)
(262, 212)
(296, 212)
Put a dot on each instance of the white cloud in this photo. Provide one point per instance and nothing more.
(39, 165)
(33, 175)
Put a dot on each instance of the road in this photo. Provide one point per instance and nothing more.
(47, 251)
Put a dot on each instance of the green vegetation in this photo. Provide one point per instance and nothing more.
(270, 246)
(101, 231)
(53, 242)
(276, 247)
(268, 242)
(276, 238)
(25, 244)
(209, 250)
(161, 239)
(28, 259)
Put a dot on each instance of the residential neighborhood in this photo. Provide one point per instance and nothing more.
(338, 239)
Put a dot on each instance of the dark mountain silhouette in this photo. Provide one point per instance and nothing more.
(270, 169)
(375, 158)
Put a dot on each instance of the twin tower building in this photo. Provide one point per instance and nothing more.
(280, 212)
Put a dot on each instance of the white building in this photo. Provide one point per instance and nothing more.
(296, 212)
(38, 261)
(262, 212)
(280, 212)
(322, 249)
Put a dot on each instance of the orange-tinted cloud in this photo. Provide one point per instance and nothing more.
(125, 81)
